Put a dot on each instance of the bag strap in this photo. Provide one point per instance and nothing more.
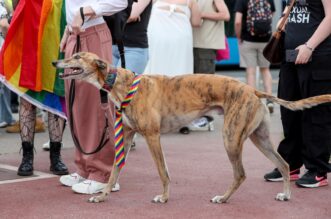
(284, 18)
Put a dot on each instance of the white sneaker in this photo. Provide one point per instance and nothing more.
(72, 179)
(46, 146)
(202, 124)
(3, 124)
(116, 188)
(88, 187)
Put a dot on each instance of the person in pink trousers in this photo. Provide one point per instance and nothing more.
(84, 19)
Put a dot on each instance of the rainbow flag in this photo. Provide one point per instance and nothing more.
(31, 44)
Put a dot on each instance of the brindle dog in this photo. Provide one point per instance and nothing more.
(163, 104)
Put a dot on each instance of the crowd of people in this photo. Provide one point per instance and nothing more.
(176, 37)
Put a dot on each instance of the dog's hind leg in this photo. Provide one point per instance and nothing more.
(261, 138)
(233, 146)
(153, 141)
(114, 176)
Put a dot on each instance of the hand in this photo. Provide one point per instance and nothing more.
(303, 55)
(77, 24)
(133, 19)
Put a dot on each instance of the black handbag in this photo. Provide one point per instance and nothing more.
(274, 50)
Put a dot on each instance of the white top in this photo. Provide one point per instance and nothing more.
(100, 7)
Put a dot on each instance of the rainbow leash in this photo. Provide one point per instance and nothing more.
(119, 143)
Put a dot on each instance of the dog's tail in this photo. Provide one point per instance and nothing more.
(296, 105)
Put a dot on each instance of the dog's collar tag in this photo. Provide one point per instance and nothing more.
(109, 81)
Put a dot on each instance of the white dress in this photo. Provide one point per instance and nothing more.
(170, 40)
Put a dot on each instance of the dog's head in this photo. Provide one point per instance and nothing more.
(84, 66)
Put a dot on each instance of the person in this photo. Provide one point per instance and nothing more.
(93, 171)
(307, 134)
(135, 41)
(207, 39)
(135, 38)
(210, 36)
(27, 111)
(251, 43)
(170, 37)
(6, 116)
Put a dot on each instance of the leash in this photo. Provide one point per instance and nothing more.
(104, 99)
(119, 143)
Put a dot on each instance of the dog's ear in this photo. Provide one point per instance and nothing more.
(101, 65)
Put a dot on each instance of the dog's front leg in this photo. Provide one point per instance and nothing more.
(155, 148)
(128, 136)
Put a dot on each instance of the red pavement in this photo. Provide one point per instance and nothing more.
(199, 170)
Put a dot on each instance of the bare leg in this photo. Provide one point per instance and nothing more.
(251, 76)
(267, 80)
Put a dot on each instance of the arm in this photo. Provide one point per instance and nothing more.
(221, 14)
(238, 25)
(137, 9)
(321, 33)
(102, 7)
(195, 14)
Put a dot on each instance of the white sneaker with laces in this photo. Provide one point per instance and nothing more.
(71, 179)
(88, 187)
(92, 187)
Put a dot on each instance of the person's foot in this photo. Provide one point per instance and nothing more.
(184, 130)
(270, 106)
(71, 179)
(312, 179)
(5, 124)
(46, 146)
(92, 187)
(276, 176)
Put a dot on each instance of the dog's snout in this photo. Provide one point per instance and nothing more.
(54, 63)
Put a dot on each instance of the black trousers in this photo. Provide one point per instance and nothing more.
(307, 133)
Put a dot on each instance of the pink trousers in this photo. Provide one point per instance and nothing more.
(89, 116)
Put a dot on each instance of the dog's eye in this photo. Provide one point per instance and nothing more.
(77, 57)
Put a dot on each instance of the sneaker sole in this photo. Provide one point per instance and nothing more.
(88, 193)
(25, 173)
(316, 185)
(292, 178)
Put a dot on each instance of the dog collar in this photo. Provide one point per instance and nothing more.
(119, 144)
(110, 81)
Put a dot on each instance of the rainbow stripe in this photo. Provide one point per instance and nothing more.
(32, 43)
(119, 141)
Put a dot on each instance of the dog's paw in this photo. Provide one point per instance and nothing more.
(159, 199)
(97, 199)
(218, 199)
(282, 197)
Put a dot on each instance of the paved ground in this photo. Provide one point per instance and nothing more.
(199, 170)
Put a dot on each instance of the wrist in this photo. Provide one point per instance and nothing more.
(309, 47)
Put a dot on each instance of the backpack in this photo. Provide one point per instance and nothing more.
(259, 18)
